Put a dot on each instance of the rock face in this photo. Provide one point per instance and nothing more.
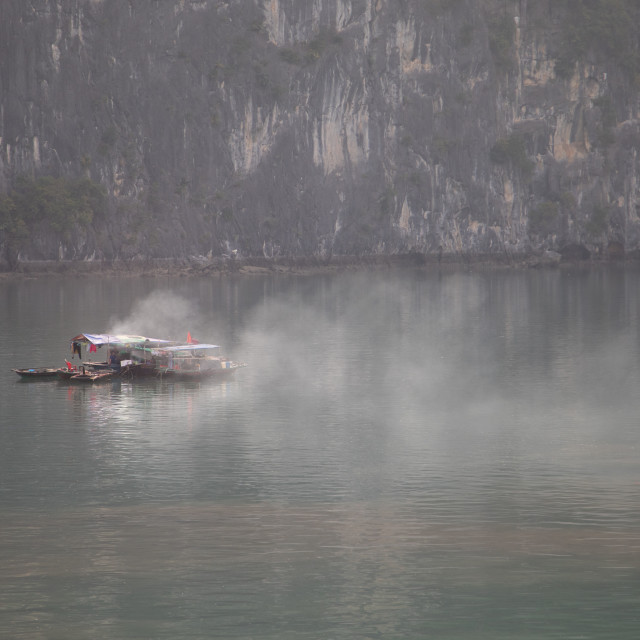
(283, 128)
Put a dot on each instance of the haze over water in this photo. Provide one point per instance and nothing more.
(408, 454)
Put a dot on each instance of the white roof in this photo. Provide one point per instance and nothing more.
(189, 347)
(106, 338)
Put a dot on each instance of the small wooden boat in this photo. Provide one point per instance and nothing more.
(39, 372)
(97, 365)
(92, 376)
(65, 373)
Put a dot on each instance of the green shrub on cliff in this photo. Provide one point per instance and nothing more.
(605, 135)
(602, 28)
(57, 203)
(598, 222)
(543, 219)
(512, 150)
(502, 33)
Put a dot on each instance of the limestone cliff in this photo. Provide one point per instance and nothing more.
(324, 127)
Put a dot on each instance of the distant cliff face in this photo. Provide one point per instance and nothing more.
(324, 127)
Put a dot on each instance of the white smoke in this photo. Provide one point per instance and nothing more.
(163, 314)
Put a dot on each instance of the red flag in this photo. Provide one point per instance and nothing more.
(188, 337)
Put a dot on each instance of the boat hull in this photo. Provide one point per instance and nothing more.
(91, 377)
(41, 372)
(65, 374)
(203, 374)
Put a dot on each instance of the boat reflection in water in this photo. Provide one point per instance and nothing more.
(122, 410)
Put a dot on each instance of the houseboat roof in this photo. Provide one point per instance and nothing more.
(189, 347)
(100, 339)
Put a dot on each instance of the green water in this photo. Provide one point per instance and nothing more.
(407, 455)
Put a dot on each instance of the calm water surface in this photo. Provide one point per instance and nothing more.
(407, 455)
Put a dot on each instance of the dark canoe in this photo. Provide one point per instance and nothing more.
(40, 372)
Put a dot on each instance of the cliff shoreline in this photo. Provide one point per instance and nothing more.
(221, 267)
